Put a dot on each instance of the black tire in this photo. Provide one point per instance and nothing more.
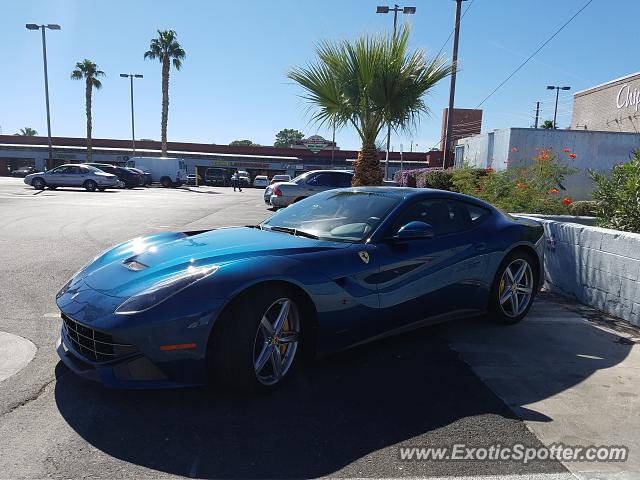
(38, 183)
(177, 184)
(496, 312)
(102, 189)
(232, 361)
(51, 188)
(90, 186)
(166, 182)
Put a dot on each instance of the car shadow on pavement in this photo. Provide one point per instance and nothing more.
(356, 406)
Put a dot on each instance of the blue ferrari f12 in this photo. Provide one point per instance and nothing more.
(334, 270)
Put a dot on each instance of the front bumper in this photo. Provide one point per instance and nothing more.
(125, 351)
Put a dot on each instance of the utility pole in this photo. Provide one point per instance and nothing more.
(555, 111)
(537, 114)
(333, 144)
(452, 89)
(50, 26)
(395, 10)
(131, 76)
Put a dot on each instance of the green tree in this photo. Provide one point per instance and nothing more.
(167, 50)
(287, 137)
(27, 132)
(367, 83)
(243, 143)
(88, 71)
(547, 124)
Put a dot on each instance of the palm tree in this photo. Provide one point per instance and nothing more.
(368, 83)
(27, 132)
(88, 71)
(166, 49)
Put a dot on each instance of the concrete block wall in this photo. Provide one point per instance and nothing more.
(596, 266)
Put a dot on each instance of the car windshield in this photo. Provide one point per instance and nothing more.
(337, 215)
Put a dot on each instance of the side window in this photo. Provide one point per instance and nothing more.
(60, 170)
(476, 213)
(445, 216)
(343, 180)
(321, 180)
(74, 170)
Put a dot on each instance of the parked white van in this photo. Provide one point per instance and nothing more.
(169, 172)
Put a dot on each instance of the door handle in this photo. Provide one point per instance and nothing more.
(480, 247)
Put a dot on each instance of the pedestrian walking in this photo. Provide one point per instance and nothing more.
(235, 181)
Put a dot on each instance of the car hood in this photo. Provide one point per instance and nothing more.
(139, 263)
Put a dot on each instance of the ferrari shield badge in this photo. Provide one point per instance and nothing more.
(364, 256)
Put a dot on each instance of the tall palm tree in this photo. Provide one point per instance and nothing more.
(368, 83)
(166, 49)
(88, 71)
(27, 132)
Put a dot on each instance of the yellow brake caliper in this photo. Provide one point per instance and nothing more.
(285, 328)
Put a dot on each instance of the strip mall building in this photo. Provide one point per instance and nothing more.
(604, 131)
(17, 151)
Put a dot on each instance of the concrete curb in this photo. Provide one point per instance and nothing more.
(15, 354)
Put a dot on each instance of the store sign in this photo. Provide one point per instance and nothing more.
(64, 156)
(628, 97)
(316, 143)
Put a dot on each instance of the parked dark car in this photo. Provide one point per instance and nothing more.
(23, 171)
(146, 176)
(127, 176)
(217, 177)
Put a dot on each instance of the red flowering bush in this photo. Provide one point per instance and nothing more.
(531, 189)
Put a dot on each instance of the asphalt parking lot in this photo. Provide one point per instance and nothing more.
(345, 416)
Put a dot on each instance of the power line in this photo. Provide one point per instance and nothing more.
(544, 44)
(535, 53)
(452, 31)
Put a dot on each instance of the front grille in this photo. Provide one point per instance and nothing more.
(94, 345)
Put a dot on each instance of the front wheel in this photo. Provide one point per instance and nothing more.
(90, 186)
(255, 343)
(514, 289)
(38, 183)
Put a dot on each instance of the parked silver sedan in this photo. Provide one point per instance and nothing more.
(85, 176)
(283, 194)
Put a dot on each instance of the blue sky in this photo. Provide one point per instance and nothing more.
(233, 84)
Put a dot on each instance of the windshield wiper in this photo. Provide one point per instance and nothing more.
(293, 231)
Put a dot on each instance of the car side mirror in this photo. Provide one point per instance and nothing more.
(414, 231)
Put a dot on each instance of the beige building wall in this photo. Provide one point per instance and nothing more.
(611, 107)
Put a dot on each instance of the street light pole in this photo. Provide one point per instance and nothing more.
(452, 89)
(395, 10)
(131, 76)
(50, 26)
(555, 111)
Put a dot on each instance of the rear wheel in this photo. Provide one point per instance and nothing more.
(90, 186)
(514, 288)
(38, 183)
(254, 345)
(166, 182)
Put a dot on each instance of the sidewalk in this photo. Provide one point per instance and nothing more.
(15, 354)
(571, 373)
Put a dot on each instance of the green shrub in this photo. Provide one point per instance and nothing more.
(523, 190)
(583, 208)
(439, 179)
(618, 196)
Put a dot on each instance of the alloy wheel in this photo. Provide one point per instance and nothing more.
(516, 288)
(276, 341)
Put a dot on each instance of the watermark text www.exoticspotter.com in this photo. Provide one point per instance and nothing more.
(516, 453)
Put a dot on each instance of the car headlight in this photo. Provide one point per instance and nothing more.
(164, 290)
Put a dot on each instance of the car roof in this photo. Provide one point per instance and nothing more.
(409, 193)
